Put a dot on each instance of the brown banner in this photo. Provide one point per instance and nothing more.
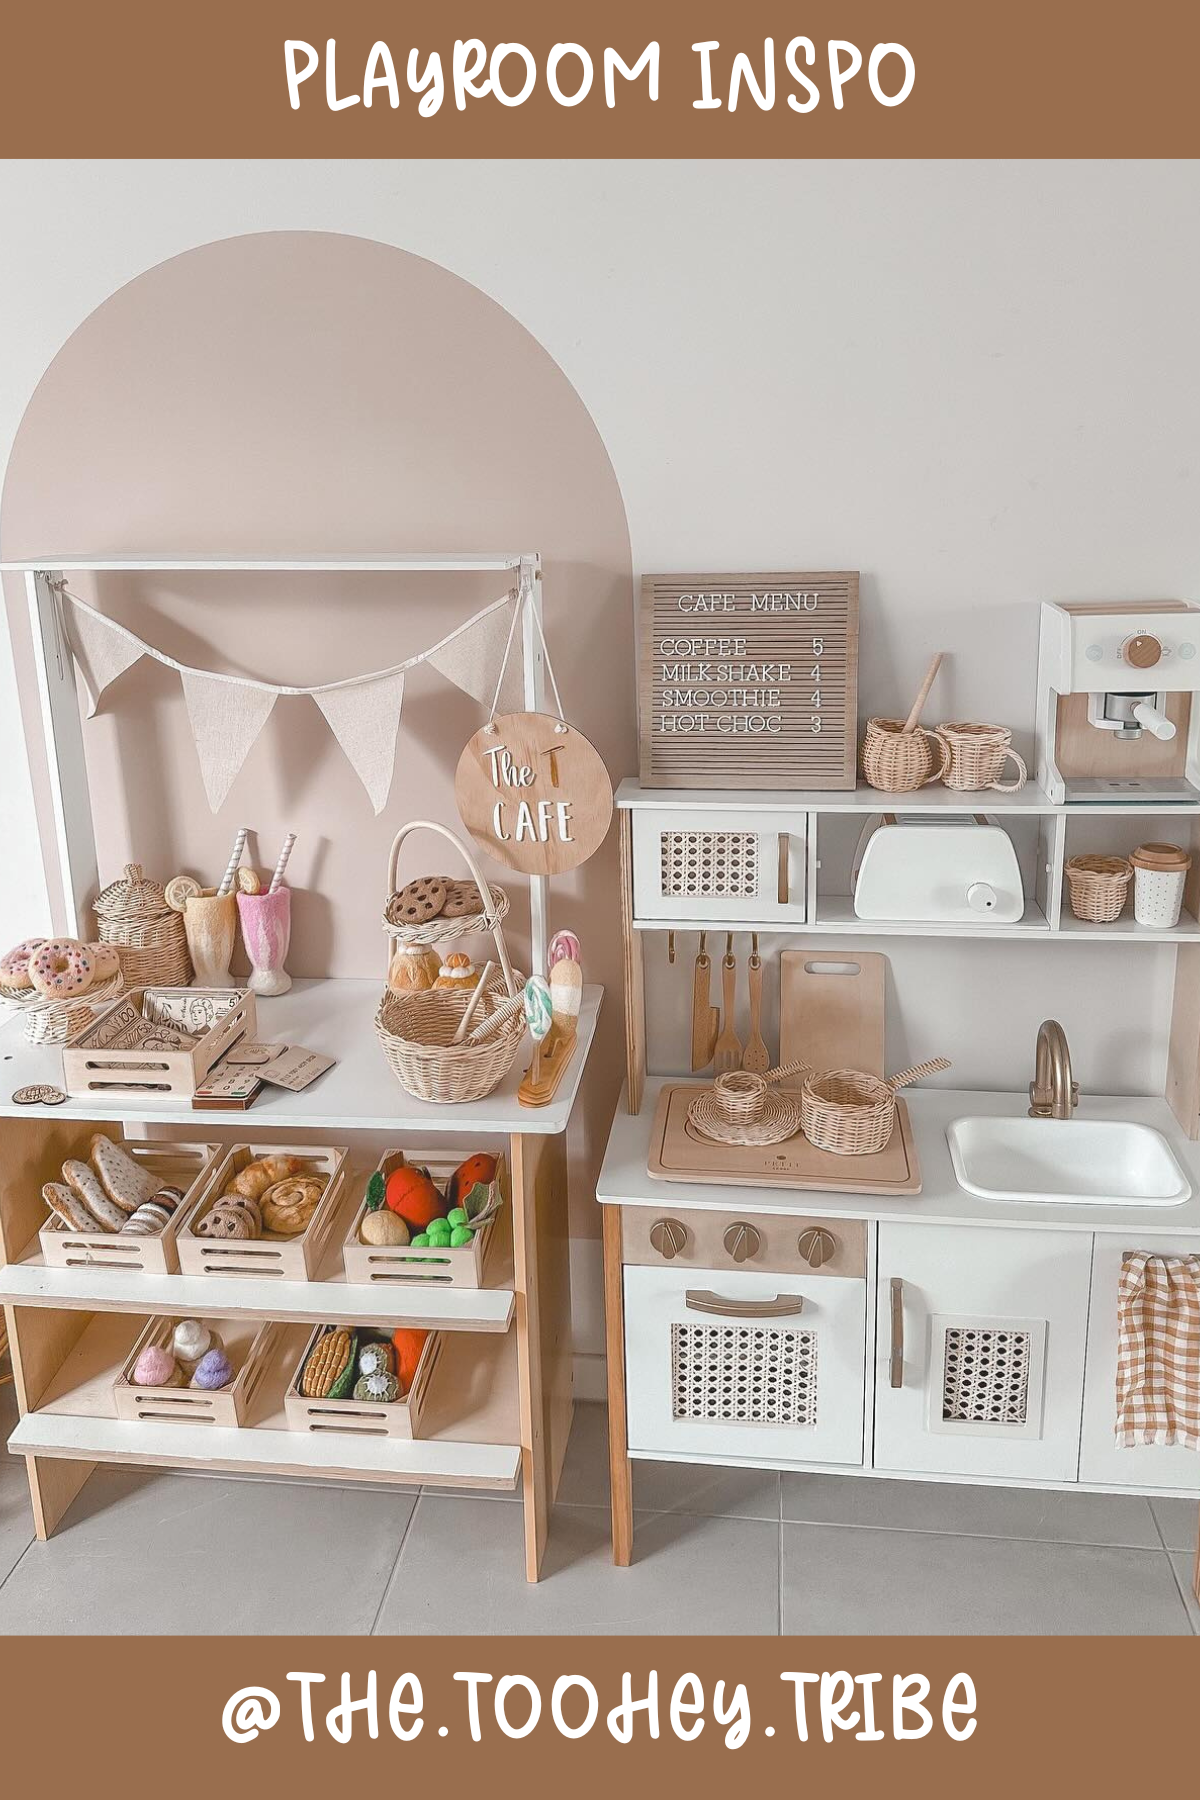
(941, 78)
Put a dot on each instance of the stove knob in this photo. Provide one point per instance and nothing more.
(1142, 651)
(817, 1246)
(668, 1237)
(742, 1241)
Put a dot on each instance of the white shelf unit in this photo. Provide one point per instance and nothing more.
(499, 1406)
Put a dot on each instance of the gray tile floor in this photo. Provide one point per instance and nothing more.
(718, 1552)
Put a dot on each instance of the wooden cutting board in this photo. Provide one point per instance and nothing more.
(831, 1009)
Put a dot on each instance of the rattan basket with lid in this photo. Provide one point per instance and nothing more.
(151, 943)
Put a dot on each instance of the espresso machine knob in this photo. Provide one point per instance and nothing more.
(1142, 651)
(817, 1246)
(742, 1241)
(668, 1236)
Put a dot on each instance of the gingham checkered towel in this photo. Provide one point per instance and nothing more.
(1158, 1350)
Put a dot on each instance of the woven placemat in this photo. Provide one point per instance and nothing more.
(780, 1119)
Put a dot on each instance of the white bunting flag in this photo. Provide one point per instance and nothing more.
(226, 717)
(365, 719)
(101, 650)
(472, 661)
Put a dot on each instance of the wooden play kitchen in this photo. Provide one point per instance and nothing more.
(796, 1275)
(364, 1342)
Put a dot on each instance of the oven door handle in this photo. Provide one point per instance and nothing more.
(781, 1306)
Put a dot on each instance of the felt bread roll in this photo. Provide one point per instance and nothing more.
(68, 1207)
(121, 1178)
(83, 1179)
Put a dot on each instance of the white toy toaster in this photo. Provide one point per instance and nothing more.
(956, 869)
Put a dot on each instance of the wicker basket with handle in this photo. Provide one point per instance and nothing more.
(149, 936)
(1098, 887)
(977, 754)
(417, 1030)
(851, 1113)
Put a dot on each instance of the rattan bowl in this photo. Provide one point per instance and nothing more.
(898, 761)
(1098, 887)
(58, 1021)
(851, 1113)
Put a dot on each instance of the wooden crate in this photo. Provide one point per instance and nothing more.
(371, 1418)
(388, 1265)
(291, 1259)
(181, 1165)
(249, 1347)
(91, 1068)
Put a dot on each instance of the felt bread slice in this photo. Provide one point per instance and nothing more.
(85, 1182)
(121, 1178)
(67, 1206)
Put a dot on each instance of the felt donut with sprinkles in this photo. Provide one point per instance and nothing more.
(61, 967)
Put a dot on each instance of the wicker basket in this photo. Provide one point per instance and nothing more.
(1098, 887)
(898, 761)
(975, 756)
(58, 1021)
(851, 1113)
(149, 936)
(416, 1030)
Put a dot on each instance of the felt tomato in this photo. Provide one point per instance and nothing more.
(408, 1345)
(411, 1194)
(477, 1169)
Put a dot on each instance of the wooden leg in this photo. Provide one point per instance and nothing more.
(619, 1474)
(40, 1339)
(53, 1485)
(1196, 1568)
(542, 1263)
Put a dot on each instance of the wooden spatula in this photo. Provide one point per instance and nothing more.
(705, 1016)
(755, 1057)
(728, 1053)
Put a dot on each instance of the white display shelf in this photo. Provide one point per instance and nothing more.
(382, 562)
(1031, 800)
(470, 1425)
(360, 1093)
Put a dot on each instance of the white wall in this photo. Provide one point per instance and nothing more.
(978, 383)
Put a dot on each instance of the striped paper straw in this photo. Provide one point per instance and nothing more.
(281, 865)
(239, 844)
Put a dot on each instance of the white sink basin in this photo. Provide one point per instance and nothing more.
(1071, 1162)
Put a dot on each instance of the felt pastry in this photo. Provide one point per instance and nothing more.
(214, 1370)
(156, 1367)
(377, 1358)
(463, 900)
(414, 969)
(86, 1183)
(257, 1176)
(149, 1219)
(330, 1364)
(408, 1345)
(14, 967)
(121, 1178)
(458, 973)
(288, 1206)
(60, 968)
(419, 902)
(169, 1198)
(384, 1229)
(380, 1385)
(67, 1206)
(105, 961)
(410, 1193)
(191, 1340)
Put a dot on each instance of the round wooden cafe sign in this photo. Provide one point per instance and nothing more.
(534, 793)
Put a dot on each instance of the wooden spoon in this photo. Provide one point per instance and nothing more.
(756, 1057)
(910, 724)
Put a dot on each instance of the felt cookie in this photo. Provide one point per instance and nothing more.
(121, 1178)
(69, 1207)
(419, 902)
(330, 1361)
(82, 1178)
(250, 1208)
(463, 900)
(225, 1222)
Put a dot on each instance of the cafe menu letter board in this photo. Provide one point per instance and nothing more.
(749, 681)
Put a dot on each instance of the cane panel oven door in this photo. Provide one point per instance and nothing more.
(691, 864)
(748, 1367)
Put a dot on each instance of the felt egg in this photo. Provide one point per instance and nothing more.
(191, 1340)
(156, 1367)
(412, 1195)
(539, 1013)
(564, 945)
(408, 1345)
(214, 1370)
(478, 1169)
(383, 1228)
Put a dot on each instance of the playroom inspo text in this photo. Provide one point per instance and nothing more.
(800, 75)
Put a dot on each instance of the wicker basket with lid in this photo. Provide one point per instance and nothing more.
(151, 943)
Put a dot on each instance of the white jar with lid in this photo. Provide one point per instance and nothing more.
(1159, 874)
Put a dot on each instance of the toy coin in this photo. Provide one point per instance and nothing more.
(248, 881)
(179, 890)
(244, 1055)
(39, 1095)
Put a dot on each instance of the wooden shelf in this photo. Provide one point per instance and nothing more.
(359, 1093)
(471, 1422)
(1031, 800)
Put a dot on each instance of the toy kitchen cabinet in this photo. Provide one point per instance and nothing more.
(933, 1336)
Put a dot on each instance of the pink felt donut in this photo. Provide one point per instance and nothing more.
(14, 968)
(61, 967)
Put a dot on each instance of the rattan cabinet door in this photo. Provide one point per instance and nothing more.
(980, 1345)
(720, 864)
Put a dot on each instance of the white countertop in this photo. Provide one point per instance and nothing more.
(359, 1093)
(624, 1178)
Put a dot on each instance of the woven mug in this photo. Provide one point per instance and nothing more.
(898, 761)
(976, 754)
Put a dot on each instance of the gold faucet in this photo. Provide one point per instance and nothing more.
(1052, 1093)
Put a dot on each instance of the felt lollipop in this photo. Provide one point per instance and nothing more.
(564, 947)
(539, 1016)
